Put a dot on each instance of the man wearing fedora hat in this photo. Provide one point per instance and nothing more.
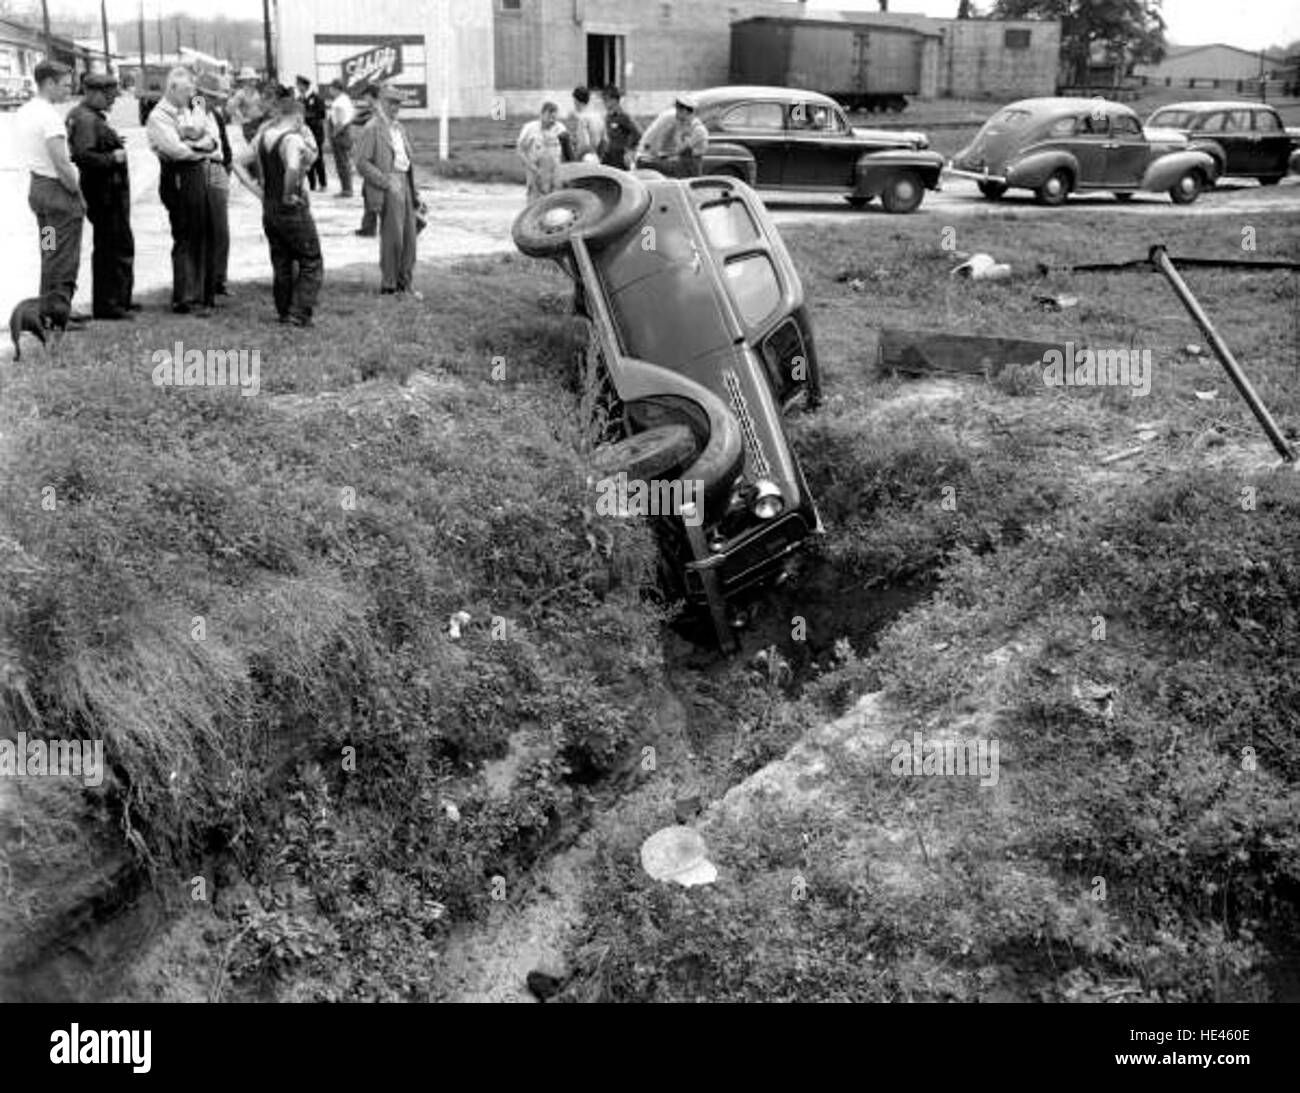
(100, 155)
(385, 162)
(676, 141)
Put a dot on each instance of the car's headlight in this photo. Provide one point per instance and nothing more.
(768, 502)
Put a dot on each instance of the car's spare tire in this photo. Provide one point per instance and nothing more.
(544, 229)
(625, 197)
(649, 455)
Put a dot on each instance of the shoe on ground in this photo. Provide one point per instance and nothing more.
(388, 292)
(116, 315)
(364, 234)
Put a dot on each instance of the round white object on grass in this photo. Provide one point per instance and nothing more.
(678, 854)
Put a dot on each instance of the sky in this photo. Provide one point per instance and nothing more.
(1250, 24)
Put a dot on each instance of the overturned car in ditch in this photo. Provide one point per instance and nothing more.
(699, 323)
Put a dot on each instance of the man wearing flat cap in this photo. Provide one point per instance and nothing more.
(100, 154)
(676, 141)
(385, 163)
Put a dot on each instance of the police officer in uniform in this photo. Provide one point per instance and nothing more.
(100, 154)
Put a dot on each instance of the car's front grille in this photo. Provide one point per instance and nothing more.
(758, 457)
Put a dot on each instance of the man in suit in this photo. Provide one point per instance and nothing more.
(99, 153)
(385, 162)
(313, 112)
(366, 106)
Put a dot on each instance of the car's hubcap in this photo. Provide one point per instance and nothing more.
(1188, 184)
(904, 190)
(1054, 186)
(558, 220)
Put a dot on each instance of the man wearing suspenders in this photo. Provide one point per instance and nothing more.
(284, 151)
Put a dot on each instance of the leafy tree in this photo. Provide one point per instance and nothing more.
(1132, 31)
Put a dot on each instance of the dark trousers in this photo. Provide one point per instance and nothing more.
(59, 214)
(219, 215)
(342, 145)
(316, 172)
(112, 262)
(184, 190)
(296, 263)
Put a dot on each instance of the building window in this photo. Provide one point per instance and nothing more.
(1016, 38)
(512, 5)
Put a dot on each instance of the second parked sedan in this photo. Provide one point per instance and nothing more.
(1056, 147)
(1246, 139)
(782, 139)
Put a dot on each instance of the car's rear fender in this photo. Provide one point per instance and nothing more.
(1033, 170)
(1167, 170)
(874, 169)
(724, 158)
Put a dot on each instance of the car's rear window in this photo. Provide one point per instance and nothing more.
(1267, 122)
(753, 285)
(754, 115)
(727, 223)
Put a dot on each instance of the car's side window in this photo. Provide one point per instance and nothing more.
(727, 223)
(1125, 125)
(1062, 127)
(754, 115)
(1212, 123)
(1091, 125)
(810, 117)
(754, 287)
(1237, 121)
(1267, 122)
(786, 360)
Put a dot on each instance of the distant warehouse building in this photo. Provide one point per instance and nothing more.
(489, 55)
(1211, 66)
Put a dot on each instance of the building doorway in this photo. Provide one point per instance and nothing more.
(604, 60)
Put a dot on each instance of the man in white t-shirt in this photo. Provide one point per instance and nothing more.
(55, 192)
(339, 119)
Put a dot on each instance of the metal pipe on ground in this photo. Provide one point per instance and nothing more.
(1160, 259)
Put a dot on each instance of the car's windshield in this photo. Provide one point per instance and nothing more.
(1171, 119)
(1008, 120)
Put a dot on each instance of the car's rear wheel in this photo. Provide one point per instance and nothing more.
(1121, 196)
(648, 455)
(544, 229)
(1269, 180)
(1055, 189)
(902, 193)
(993, 190)
(857, 200)
(1187, 188)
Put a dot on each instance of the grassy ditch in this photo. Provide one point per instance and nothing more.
(248, 600)
(1126, 631)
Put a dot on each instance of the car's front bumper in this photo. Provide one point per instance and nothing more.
(978, 176)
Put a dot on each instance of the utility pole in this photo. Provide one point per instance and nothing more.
(266, 38)
(140, 88)
(160, 34)
(103, 21)
(49, 42)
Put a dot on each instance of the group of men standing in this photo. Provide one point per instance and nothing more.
(674, 143)
(78, 169)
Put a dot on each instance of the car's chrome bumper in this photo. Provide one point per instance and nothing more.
(978, 176)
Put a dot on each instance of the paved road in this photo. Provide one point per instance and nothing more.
(475, 218)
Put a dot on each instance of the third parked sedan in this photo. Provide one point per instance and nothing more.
(1246, 139)
(781, 139)
(1055, 147)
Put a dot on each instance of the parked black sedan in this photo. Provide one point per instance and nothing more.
(1246, 139)
(776, 138)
